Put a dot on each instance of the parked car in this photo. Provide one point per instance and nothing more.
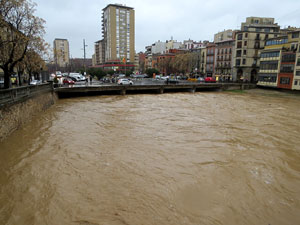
(72, 78)
(158, 77)
(124, 81)
(68, 81)
(35, 82)
(77, 76)
(210, 80)
(172, 81)
(200, 79)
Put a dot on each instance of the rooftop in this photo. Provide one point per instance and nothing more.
(118, 6)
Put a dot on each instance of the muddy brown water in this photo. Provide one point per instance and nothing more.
(204, 158)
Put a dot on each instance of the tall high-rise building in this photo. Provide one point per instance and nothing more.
(61, 52)
(118, 33)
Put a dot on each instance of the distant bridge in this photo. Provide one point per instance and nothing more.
(109, 89)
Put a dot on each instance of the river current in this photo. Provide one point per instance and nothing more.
(212, 158)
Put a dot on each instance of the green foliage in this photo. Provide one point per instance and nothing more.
(150, 72)
(110, 72)
(129, 72)
(96, 72)
(81, 71)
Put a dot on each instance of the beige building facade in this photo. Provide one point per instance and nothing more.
(225, 35)
(61, 52)
(99, 52)
(248, 44)
(118, 27)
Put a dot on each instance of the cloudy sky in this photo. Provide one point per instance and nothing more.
(156, 20)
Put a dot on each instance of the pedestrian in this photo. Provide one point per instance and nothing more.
(91, 79)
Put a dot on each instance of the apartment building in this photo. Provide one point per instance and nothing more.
(280, 61)
(210, 59)
(225, 47)
(224, 36)
(202, 63)
(296, 84)
(173, 44)
(99, 52)
(118, 28)
(61, 52)
(192, 45)
(250, 40)
(159, 47)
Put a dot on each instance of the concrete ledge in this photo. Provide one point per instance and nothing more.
(157, 89)
(15, 114)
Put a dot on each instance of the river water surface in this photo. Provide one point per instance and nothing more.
(204, 158)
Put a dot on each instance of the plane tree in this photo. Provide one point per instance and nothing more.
(20, 32)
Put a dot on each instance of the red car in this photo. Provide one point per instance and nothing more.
(210, 80)
(68, 81)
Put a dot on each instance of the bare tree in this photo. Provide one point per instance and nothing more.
(20, 31)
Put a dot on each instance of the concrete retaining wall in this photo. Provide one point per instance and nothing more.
(12, 116)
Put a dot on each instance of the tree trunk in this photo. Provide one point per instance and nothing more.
(19, 78)
(7, 74)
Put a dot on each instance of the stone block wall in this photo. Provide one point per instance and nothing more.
(12, 116)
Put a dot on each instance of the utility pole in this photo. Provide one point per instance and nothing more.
(84, 45)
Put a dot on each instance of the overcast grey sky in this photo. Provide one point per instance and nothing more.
(156, 20)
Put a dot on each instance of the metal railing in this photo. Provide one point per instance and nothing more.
(15, 94)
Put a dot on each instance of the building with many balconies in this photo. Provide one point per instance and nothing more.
(210, 59)
(225, 43)
(280, 62)
(250, 40)
(61, 52)
(118, 27)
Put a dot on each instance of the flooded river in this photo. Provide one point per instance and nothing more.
(216, 158)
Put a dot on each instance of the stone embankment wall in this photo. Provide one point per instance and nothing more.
(15, 114)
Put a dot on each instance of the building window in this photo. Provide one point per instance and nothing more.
(240, 36)
(284, 80)
(298, 73)
(269, 65)
(246, 35)
(238, 53)
(245, 52)
(238, 62)
(267, 30)
(244, 61)
(288, 58)
(296, 82)
(269, 54)
(287, 68)
(270, 78)
(266, 37)
(295, 35)
(245, 43)
(239, 44)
